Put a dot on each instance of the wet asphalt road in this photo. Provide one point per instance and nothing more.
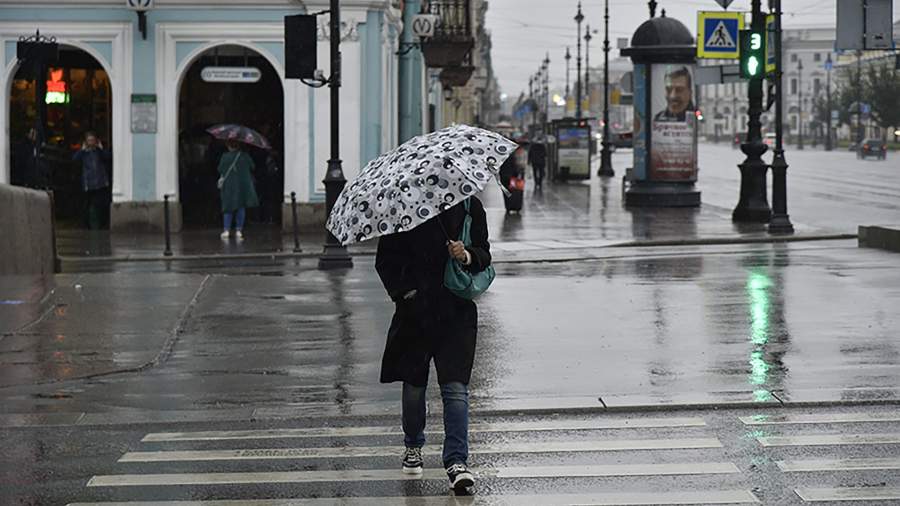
(684, 457)
(221, 342)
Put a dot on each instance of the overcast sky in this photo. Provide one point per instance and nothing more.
(523, 31)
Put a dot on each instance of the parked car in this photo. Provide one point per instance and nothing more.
(622, 139)
(872, 147)
(769, 140)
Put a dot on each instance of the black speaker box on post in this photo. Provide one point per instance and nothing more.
(300, 46)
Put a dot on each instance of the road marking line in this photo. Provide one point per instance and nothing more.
(602, 499)
(387, 451)
(820, 418)
(689, 468)
(544, 426)
(860, 464)
(848, 494)
(830, 439)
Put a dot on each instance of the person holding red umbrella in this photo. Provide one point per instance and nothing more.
(236, 188)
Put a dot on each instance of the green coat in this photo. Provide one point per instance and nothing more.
(238, 191)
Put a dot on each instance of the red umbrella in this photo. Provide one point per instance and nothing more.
(232, 132)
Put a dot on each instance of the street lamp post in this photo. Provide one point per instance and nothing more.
(753, 205)
(606, 168)
(578, 19)
(828, 66)
(800, 103)
(781, 222)
(568, 62)
(587, 66)
(860, 131)
(546, 100)
(334, 255)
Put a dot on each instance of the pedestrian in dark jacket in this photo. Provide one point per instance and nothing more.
(537, 157)
(29, 167)
(94, 177)
(430, 322)
(237, 188)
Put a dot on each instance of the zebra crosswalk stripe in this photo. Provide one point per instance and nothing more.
(892, 416)
(543, 426)
(124, 480)
(387, 451)
(830, 439)
(848, 494)
(855, 464)
(599, 499)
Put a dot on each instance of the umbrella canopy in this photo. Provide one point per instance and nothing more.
(240, 133)
(416, 181)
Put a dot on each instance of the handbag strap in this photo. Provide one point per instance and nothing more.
(230, 169)
(467, 205)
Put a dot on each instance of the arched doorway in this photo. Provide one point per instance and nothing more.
(211, 92)
(78, 100)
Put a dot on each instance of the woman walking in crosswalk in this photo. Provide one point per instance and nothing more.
(431, 322)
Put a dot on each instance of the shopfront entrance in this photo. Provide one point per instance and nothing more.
(78, 100)
(229, 84)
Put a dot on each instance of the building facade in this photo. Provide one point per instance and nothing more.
(168, 74)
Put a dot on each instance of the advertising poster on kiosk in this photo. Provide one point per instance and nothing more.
(574, 151)
(673, 148)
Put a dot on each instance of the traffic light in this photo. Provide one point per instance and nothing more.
(753, 54)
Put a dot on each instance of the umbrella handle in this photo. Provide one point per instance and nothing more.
(504, 189)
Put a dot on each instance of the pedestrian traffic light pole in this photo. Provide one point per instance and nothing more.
(578, 19)
(334, 255)
(781, 222)
(606, 169)
(753, 205)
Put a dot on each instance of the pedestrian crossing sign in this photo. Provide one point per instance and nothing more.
(717, 34)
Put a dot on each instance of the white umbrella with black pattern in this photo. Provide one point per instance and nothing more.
(416, 181)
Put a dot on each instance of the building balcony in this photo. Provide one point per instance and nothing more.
(453, 38)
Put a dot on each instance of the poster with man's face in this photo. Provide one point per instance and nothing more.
(673, 145)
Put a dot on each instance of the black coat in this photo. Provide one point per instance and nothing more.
(435, 323)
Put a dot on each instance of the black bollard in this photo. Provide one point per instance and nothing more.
(295, 224)
(168, 251)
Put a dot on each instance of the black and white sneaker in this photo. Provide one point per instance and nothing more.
(460, 477)
(412, 461)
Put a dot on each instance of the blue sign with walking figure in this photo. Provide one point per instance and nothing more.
(717, 34)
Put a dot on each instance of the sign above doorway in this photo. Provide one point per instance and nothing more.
(245, 75)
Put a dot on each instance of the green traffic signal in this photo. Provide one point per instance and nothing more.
(753, 53)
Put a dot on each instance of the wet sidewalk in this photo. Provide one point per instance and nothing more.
(575, 215)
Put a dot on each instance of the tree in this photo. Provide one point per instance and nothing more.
(847, 95)
(882, 92)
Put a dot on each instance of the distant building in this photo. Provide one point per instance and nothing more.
(110, 76)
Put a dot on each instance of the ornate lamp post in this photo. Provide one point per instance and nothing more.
(335, 255)
(781, 222)
(546, 98)
(36, 52)
(828, 66)
(587, 66)
(578, 19)
(606, 169)
(568, 61)
(800, 104)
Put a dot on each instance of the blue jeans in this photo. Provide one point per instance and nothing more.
(241, 215)
(456, 420)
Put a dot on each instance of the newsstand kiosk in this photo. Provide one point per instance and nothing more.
(570, 154)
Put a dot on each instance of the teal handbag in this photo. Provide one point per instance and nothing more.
(457, 279)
